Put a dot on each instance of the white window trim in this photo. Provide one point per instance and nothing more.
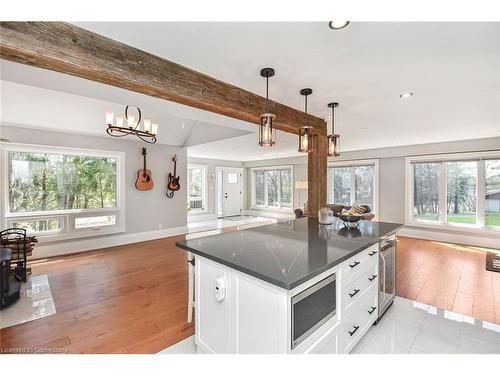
(204, 181)
(477, 228)
(254, 205)
(67, 231)
(360, 163)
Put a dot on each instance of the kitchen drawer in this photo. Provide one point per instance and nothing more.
(355, 265)
(356, 327)
(355, 290)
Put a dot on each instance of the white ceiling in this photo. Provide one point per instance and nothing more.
(38, 98)
(453, 69)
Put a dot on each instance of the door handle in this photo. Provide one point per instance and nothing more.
(373, 277)
(372, 253)
(353, 331)
(372, 310)
(356, 291)
(354, 264)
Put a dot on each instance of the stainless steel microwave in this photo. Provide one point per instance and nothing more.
(312, 308)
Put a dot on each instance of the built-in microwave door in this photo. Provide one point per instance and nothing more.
(312, 308)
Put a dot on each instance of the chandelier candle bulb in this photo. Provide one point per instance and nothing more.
(131, 121)
(154, 128)
(109, 118)
(119, 121)
(147, 125)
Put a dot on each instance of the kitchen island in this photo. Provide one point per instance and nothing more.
(292, 287)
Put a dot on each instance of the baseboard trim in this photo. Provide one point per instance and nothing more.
(450, 237)
(78, 246)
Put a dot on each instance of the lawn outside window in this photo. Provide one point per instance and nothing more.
(456, 191)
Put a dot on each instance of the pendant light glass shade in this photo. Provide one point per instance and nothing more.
(333, 139)
(266, 132)
(267, 135)
(305, 132)
(305, 139)
(334, 145)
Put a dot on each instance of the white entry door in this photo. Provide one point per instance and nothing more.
(230, 194)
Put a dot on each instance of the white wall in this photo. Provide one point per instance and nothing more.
(149, 214)
(212, 164)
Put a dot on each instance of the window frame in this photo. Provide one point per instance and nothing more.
(442, 160)
(68, 230)
(279, 208)
(204, 189)
(359, 163)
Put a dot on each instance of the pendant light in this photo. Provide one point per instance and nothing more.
(266, 132)
(305, 132)
(333, 139)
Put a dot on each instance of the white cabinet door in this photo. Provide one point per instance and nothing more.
(260, 318)
(213, 329)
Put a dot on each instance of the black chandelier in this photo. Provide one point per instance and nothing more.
(266, 132)
(305, 132)
(333, 139)
(119, 129)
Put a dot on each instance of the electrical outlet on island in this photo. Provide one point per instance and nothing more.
(160, 226)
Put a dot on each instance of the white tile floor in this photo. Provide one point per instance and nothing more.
(410, 327)
(36, 302)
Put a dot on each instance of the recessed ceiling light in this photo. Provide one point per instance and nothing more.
(363, 129)
(406, 95)
(337, 25)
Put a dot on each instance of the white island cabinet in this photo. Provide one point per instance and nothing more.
(240, 313)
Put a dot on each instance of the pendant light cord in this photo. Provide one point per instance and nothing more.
(267, 91)
(333, 120)
(305, 113)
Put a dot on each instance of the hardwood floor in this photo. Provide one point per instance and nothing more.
(127, 299)
(448, 276)
(133, 298)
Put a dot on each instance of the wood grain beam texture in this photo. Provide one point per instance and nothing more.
(71, 50)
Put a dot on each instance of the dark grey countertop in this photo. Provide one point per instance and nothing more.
(289, 253)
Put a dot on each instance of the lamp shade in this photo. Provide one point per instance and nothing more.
(301, 185)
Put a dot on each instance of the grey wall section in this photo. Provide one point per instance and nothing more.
(144, 210)
(211, 165)
(299, 174)
(392, 190)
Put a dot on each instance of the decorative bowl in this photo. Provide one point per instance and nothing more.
(350, 220)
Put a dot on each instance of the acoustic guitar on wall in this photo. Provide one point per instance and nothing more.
(144, 179)
(173, 180)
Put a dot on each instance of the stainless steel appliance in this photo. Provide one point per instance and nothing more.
(312, 308)
(387, 274)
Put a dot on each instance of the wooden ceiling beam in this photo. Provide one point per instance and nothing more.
(71, 50)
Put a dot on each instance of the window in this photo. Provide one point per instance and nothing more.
(455, 190)
(355, 183)
(426, 191)
(197, 182)
(272, 187)
(55, 192)
(492, 193)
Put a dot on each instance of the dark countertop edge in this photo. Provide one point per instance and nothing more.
(281, 284)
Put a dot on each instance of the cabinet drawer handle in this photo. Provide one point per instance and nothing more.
(356, 291)
(372, 310)
(372, 253)
(353, 331)
(373, 277)
(354, 264)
